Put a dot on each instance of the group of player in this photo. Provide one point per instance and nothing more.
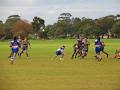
(81, 47)
(99, 47)
(18, 47)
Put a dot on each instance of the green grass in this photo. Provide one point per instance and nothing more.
(40, 72)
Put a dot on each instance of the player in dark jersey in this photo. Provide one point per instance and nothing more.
(79, 46)
(24, 44)
(75, 49)
(85, 45)
(15, 45)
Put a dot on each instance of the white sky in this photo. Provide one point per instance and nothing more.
(49, 10)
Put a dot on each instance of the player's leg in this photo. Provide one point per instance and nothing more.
(22, 52)
(103, 51)
(12, 58)
(77, 52)
(74, 52)
(83, 53)
(80, 51)
(54, 58)
(86, 52)
(98, 56)
(57, 53)
(10, 55)
(26, 51)
(62, 56)
(18, 53)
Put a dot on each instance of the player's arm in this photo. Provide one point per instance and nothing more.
(103, 44)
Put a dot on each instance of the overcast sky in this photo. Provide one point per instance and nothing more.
(49, 10)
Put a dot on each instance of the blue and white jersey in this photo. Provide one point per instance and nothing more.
(14, 44)
(60, 49)
(98, 43)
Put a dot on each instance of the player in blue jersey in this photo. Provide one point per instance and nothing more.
(59, 52)
(19, 40)
(98, 44)
(15, 45)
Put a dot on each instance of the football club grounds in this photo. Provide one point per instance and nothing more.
(41, 72)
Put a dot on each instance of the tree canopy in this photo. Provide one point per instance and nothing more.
(66, 26)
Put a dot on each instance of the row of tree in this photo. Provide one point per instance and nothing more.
(66, 27)
(15, 26)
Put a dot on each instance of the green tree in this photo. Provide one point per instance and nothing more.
(115, 30)
(11, 20)
(65, 17)
(2, 33)
(38, 25)
(76, 24)
(22, 28)
(86, 26)
(105, 24)
(50, 31)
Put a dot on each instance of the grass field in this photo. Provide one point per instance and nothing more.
(40, 72)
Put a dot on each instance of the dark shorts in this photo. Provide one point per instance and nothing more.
(97, 50)
(58, 53)
(85, 49)
(24, 48)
